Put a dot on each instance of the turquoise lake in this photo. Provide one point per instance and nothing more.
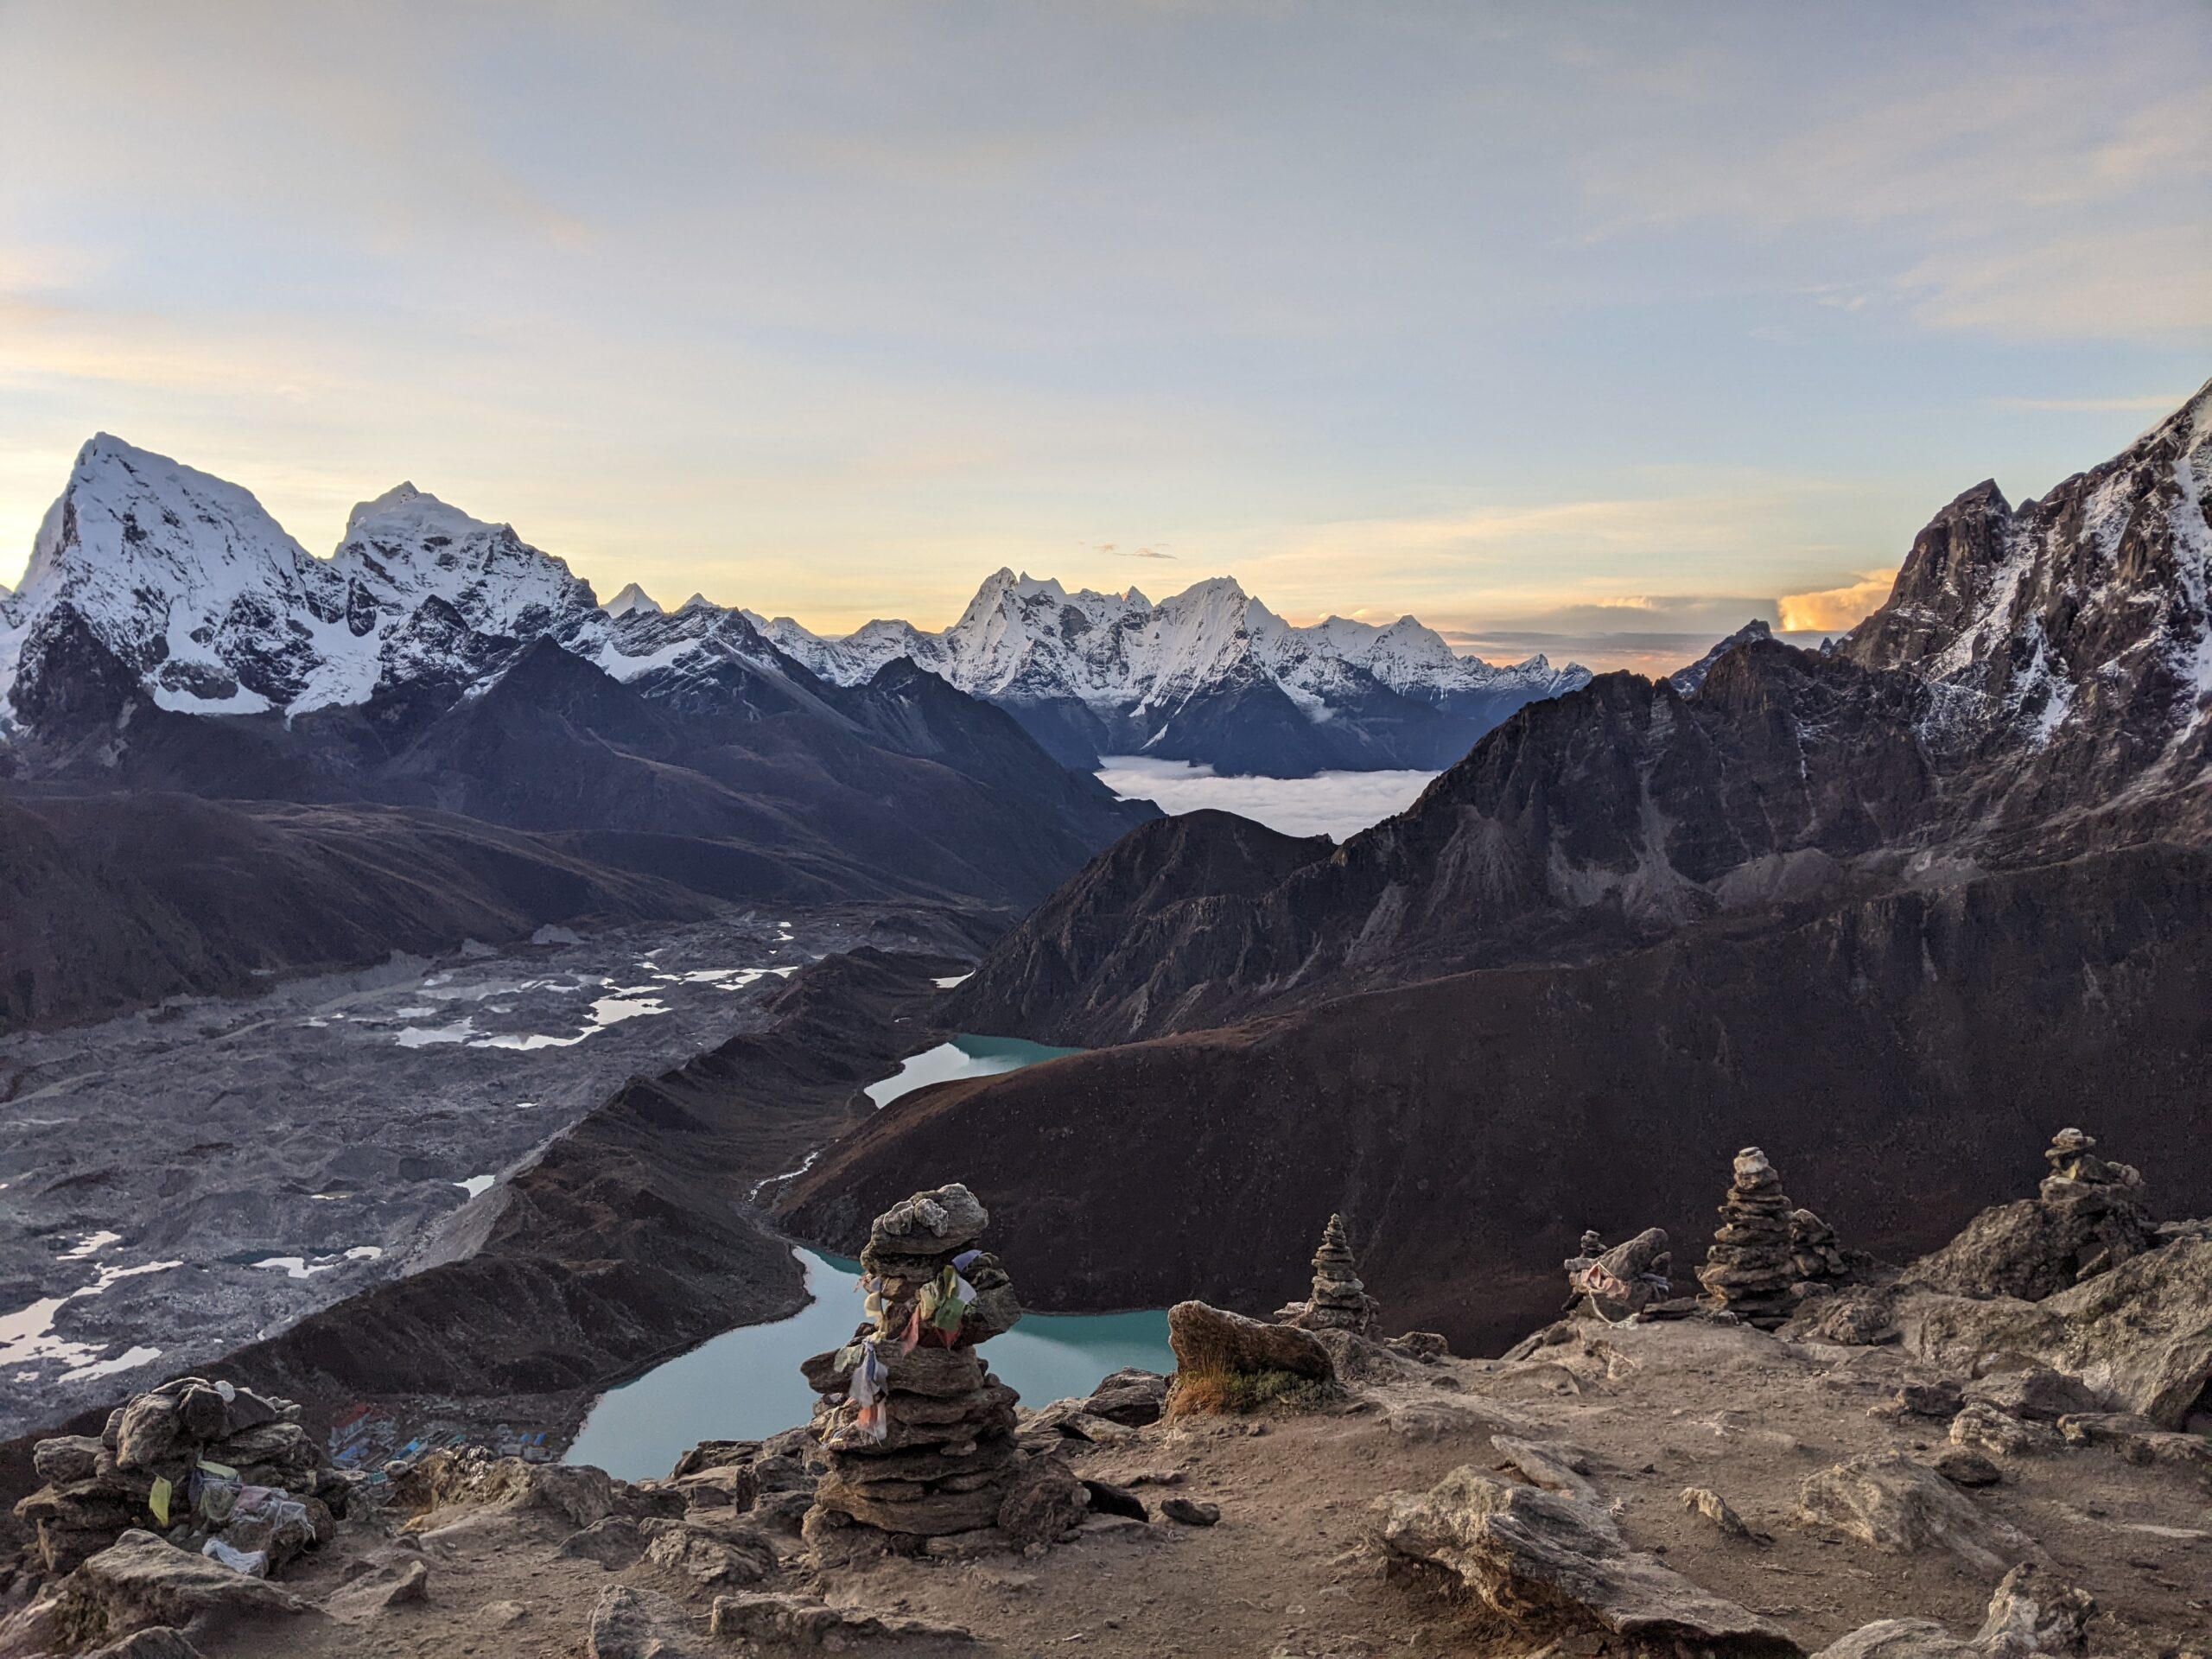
(745, 1384)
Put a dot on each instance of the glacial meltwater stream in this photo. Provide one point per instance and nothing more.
(745, 1384)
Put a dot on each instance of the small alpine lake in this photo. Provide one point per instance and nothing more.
(745, 1384)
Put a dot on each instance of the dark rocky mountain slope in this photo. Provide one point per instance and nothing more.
(113, 902)
(1895, 1056)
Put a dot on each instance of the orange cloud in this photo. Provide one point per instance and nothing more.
(1833, 609)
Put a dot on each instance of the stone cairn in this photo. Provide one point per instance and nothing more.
(1750, 1266)
(210, 1467)
(918, 1434)
(2105, 1202)
(1816, 1255)
(1339, 1301)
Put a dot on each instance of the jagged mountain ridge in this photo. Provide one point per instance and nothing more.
(1208, 675)
(171, 638)
(2033, 690)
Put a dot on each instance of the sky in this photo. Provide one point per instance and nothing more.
(1593, 329)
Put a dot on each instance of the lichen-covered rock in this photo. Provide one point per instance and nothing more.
(1540, 1555)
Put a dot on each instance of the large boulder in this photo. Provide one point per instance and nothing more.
(2141, 1334)
(1543, 1556)
(1901, 1506)
(142, 1580)
(1211, 1341)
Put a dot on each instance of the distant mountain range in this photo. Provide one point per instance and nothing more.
(438, 683)
(1210, 675)
(203, 597)
(1893, 911)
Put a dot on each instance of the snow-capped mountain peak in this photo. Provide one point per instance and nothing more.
(632, 599)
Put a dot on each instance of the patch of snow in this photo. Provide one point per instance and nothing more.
(475, 1186)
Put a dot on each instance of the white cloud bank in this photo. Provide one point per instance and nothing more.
(1334, 803)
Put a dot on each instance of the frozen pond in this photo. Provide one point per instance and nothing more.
(745, 1384)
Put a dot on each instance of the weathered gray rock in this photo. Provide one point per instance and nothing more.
(1556, 1468)
(614, 1543)
(1537, 1554)
(1042, 1504)
(767, 1624)
(1704, 1501)
(1132, 1397)
(399, 1580)
(1901, 1506)
(726, 1558)
(1190, 1512)
(155, 1642)
(2028, 1615)
(142, 1580)
(2140, 1335)
(629, 1623)
(2038, 1394)
(1211, 1341)
(471, 1477)
(1980, 1427)
(66, 1460)
(1962, 1466)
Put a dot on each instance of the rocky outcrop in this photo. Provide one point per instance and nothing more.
(1542, 1556)
(2139, 1336)
(141, 1581)
(2028, 1615)
(2087, 1217)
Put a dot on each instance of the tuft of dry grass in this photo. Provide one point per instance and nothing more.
(1239, 1393)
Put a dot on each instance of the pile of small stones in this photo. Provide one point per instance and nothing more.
(946, 1456)
(1750, 1265)
(139, 1473)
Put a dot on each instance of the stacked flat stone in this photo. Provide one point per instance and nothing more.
(1339, 1301)
(1750, 1266)
(2102, 1202)
(1816, 1254)
(941, 1456)
(137, 1472)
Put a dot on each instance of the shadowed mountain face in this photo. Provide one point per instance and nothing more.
(1900, 1057)
(2038, 687)
(115, 902)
